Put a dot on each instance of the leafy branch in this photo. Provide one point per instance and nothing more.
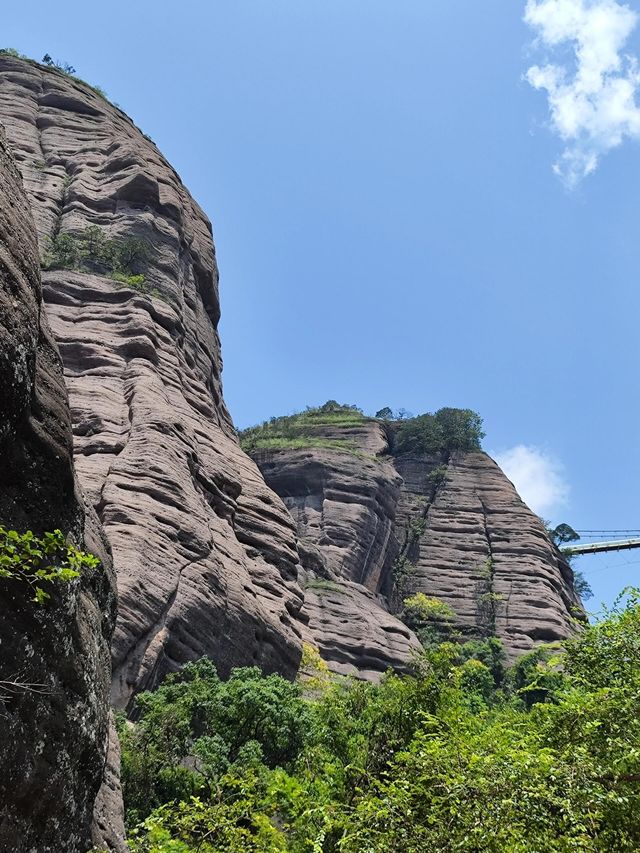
(39, 561)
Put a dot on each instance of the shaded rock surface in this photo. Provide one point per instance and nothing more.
(455, 522)
(54, 658)
(205, 553)
(108, 830)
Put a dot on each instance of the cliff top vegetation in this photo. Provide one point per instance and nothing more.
(444, 431)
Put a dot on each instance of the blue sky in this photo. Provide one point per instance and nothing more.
(389, 227)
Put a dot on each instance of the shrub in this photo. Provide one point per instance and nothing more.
(41, 561)
(11, 51)
(134, 281)
(61, 66)
(446, 431)
(416, 528)
(431, 619)
(437, 477)
(401, 570)
(91, 251)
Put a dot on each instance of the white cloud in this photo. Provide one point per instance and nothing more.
(592, 94)
(537, 477)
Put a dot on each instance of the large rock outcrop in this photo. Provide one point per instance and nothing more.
(205, 553)
(483, 552)
(209, 560)
(54, 657)
(376, 528)
(344, 506)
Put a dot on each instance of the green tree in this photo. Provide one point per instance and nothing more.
(132, 255)
(384, 414)
(422, 435)
(457, 756)
(461, 428)
(63, 252)
(446, 431)
(564, 533)
(195, 727)
(581, 585)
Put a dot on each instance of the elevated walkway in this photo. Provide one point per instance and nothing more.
(602, 547)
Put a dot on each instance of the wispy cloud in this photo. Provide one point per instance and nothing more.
(538, 477)
(592, 91)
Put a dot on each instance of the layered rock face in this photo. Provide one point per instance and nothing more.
(54, 657)
(205, 553)
(211, 560)
(483, 552)
(344, 507)
(450, 525)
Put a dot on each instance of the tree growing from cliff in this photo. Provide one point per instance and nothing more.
(41, 562)
(563, 533)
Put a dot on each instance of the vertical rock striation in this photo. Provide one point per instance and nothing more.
(485, 554)
(450, 526)
(54, 658)
(344, 505)
(205, 553)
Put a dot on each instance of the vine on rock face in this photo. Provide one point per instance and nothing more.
(38, 561)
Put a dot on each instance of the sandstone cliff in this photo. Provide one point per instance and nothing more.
(205, 553)
(208, 559)
(54, 657)
(344, 505)
(449, 525)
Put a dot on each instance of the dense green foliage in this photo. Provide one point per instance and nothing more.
(91, 251)
(40, 562)
(212, 725)
(460, 756)
(304, 429)
(445, 431)
(429, 618)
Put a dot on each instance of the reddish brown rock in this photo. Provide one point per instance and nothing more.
(458, 524)
(205, 553)
(344, 506)
(485, 554)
